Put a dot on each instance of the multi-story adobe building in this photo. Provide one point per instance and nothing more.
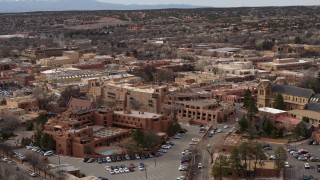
(256, 60)
(294, 97)
(205, 111)
(285, 64)
(72, 138)
(68, 57)
(143, 98)
(42, 52)
(291, 77)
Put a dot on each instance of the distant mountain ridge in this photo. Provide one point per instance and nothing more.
(77, 5)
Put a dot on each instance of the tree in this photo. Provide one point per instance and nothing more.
(138, 137)
(210, 149)
(301, 130)
(41, 120)
(37, 134)
(221, 167)
(173, 128)
(25, 141)
(87, 150)
(243, 123)
(258, 155)
(297, 40)
(235, 162)
(267, 126)
(68, 93)
(47, 142)
(3, 101)
(250, 104)
(244, 150)
(150, 140)
(280, 158)
(10, 122)
(279, 102)
(34, 160)
(164, 75)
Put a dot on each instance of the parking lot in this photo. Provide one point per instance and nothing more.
(159, 168)
(297, 170)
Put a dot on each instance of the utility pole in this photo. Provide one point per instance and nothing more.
(145, 170)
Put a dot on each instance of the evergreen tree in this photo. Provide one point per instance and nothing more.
(267, 126)
(281, 158)
(279, 102)
(47, 142)
(235, 162)
(138, 137)
(221, 167)
(243, 123)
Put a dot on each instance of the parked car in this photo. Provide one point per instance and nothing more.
(183, 168)
(286, 164)
(131, 165)
(199, 165)
(85, 159)
(310, 142)
(91, 160)
(306, 166)
(48, 153)
(315, 143)
(137, 156)
(181, 178)
(318, 167)
(32, 174)
(225, 126)
(141, 168)
(127, 157)
(108, 159)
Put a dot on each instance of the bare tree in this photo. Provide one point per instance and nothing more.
(10, 122)
(34, 160)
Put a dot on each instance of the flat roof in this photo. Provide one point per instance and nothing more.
(139, 114)
(271, 110)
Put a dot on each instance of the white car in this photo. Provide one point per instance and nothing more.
(48, 153)
(199, 166)
(126, 169)
(108, 159)
(237, 119)
(141, 168)
(306, 166)
(121, 170)
(286, 164)
(225, 126)
(181, 178)
(183, 168)
(33, 174)
(116, 171)
(219, 131)
(108, 168)
(111, 171)
(137, 156)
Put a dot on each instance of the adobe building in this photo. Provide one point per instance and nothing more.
(73, 139)
(26, 102)
(291, 77)
(141, 120)
(205, 111)
(294, 97)
(285, 64)
(68, 57)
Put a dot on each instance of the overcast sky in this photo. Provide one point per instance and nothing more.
(221, 3)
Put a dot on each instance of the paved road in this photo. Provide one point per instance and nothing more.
(203, 156)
